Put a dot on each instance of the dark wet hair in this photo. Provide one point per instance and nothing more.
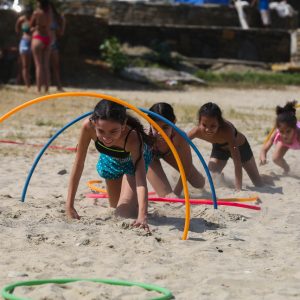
(211, 110)
(58, 18)
(28, 10)
(112, 111)
(287, 114)
(45, 4)
(164, 109)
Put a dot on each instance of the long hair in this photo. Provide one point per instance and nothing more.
(211, 110)
(112, 111)
(287, 114)
(164, 109)
(45, 4)
(56, 14)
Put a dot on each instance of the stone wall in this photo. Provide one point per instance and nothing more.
(182, 14)
(204, 42)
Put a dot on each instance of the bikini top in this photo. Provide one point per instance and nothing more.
(25, 27)
(116, 152)
(225, 144)
(295, 145)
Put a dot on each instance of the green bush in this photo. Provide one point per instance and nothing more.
(111, 52)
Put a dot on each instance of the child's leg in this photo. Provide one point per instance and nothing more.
(278, 155)
(158, 179)
(252, 171)
(113, 187)
(193, 176)
(216, 165)
(128, 204)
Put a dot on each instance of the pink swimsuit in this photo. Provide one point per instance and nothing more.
(295, 145)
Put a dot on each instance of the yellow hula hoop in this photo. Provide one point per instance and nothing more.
(91, 183)
(143, 115)
(273, 129)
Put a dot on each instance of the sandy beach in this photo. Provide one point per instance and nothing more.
(231, 253)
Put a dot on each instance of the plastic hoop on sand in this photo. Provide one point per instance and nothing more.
(223, 202)
(104, 195)
(91, 183)
(7, 291)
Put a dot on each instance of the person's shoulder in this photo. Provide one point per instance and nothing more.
(132, 135)
(87, 125)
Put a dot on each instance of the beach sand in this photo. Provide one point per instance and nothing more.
(231, 253)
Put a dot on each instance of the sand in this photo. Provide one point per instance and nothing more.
(231, 253)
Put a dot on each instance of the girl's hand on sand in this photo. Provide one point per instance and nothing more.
(141, 223)
(72, 213)
(262, 160)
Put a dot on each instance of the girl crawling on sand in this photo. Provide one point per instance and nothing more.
(125, 154)
(227, 142)
(286, 136)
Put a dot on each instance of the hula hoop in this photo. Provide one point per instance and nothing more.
(7, 291)
(222, 202)
(140, 113)
(250, 199)
(273, 129)
(90, 184)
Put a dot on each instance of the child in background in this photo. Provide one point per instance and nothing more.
(286, 136)
(124, 159)
(161, 150)
(227, 142)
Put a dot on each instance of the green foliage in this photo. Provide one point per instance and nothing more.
(250, 78)
(111, 52)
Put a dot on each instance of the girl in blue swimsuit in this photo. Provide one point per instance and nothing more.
(125, 153)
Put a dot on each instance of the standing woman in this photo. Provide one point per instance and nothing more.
(57, 27)
(23, 26)
(40, 45)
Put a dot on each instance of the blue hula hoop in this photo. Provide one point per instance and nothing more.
(38, 157)
(184, 135)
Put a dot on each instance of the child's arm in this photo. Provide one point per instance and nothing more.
(77, 169)
(266, 147)
(192, 133)
(135, 147)
(18, 25)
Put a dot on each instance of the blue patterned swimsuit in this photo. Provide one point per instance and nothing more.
(114, 162)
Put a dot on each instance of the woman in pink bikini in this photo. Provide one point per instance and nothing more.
(286, 136)
(40, 45)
